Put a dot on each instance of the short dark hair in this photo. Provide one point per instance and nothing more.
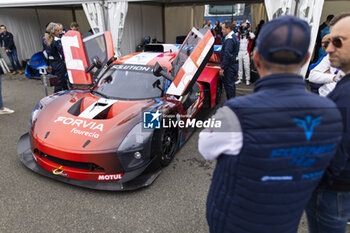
(285, 56)
(2, 26)
(228, 25)
(330, 17)
(74, 24)
(339, 17)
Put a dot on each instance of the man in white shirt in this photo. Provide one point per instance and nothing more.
(324, 73)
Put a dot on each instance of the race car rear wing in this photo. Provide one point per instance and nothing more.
(176, 47)
(162, 48)
(80, 54)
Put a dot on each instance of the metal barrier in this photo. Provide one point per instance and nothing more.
(4, 66)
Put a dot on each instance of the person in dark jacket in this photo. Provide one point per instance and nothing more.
(229, 62)
(329, 208)
(74, 26)
(274, 145)
(54, 56)
(8, 45)
(318, 44)
(217, 32)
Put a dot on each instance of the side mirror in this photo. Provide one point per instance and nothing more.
(156, 84)
(112, 59)
(96, 61)
(157, 69)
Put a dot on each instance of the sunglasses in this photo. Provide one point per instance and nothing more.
(336, 41)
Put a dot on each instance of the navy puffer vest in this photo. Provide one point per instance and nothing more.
(289, 137)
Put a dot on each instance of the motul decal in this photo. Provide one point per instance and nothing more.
(110, 177)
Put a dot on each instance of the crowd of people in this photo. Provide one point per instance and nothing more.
(246, 43)
(280, 150)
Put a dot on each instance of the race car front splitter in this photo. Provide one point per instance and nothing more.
(143, 180)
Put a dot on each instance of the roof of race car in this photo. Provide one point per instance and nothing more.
(148, 58)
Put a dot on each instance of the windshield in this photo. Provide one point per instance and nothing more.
(95, 47)
(187, 48)
(129, 82)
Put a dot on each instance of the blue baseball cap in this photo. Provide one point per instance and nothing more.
(285, 33)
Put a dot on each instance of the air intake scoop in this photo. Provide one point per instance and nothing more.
(97, 108)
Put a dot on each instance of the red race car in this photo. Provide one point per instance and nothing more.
(140, 110)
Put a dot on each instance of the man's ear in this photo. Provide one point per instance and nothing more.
(256, 59)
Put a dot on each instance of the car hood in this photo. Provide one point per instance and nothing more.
(77, 121)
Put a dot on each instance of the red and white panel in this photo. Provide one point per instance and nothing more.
(109, 44)
(189, 70)
(75, 57)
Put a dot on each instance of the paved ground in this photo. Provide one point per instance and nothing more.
(175, 202)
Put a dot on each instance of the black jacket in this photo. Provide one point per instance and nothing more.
(7, 41)
(229, 53)
(289, 137)
(338, 174)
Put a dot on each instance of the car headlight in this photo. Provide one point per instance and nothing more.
(35, 114)
(135, 149)
(38, 107)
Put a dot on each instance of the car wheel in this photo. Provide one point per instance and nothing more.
(218, 91)
(165, 145)
(169, 142)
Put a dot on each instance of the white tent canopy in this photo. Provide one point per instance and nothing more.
(128, 20)
(33, 3)
(21, 3)
(26, 20)
(108, 16)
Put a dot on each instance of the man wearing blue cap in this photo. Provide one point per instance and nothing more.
(329, 207)
(275, 144)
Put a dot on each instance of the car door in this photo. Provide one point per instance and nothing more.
(80, 53)
(190, 61)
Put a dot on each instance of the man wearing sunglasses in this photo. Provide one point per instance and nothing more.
(323, 74)
(329, 208)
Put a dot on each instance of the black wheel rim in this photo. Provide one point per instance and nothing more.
(169, 143)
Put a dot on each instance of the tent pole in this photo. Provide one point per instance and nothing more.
(38, 18)
(192, 17)
(296, 7)
(163, 20)
(73, 14)
(104, 16)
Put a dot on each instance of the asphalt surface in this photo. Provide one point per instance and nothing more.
(175, 202)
